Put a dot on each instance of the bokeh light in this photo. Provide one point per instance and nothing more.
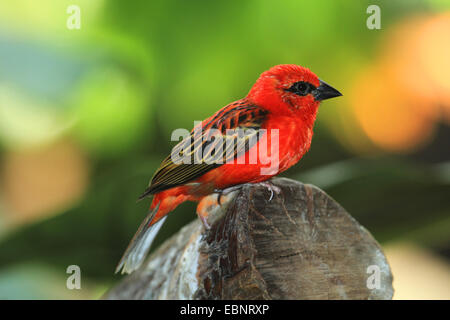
(44, 181)
(399, 99)
(86, 116)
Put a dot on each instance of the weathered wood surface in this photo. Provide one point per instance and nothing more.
(300, 245)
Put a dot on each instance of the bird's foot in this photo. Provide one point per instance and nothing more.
(204, 221)
(224, 193)
(270, 186)
(207, 205)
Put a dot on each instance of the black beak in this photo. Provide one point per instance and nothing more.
(325, 91)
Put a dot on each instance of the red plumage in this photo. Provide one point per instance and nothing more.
(284, 98)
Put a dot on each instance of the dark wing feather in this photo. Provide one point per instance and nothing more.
(201, 144)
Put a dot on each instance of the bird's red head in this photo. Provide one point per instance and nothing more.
(289, 88)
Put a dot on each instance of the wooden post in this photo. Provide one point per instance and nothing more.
(300, 245)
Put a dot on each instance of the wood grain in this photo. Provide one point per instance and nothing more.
(300, 245)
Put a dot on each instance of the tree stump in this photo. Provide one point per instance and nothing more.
(300, 245)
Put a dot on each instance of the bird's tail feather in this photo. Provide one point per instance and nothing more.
(140, 244)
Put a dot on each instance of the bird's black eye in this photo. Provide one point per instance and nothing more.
(301, 88)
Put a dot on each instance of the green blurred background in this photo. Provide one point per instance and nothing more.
(86, 116)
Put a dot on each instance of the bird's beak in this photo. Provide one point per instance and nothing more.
(325, 91)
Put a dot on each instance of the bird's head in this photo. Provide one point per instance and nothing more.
(290, 88)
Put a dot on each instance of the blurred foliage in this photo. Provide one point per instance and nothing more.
(117, 88)
(95, 233)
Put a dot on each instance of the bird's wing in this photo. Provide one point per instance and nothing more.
(223, 137)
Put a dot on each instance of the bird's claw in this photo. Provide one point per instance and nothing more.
(205, 223)
(272, 188)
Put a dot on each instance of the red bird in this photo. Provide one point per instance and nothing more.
(277, 116)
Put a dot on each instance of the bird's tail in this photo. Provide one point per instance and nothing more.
(140, 244)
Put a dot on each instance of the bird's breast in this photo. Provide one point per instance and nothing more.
(294, 140)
